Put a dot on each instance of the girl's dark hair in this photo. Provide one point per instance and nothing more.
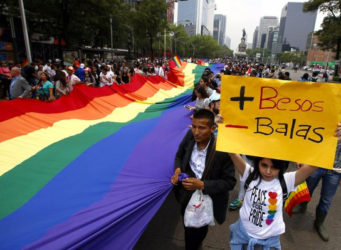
(201, 90)
(255, 174)
(205, 79)
(47, 76)
(60, 76)
(305, 76)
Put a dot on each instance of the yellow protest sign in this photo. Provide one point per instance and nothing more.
(285, 120)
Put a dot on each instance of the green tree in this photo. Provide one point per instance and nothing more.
(296, 57)
(207, 47)
(330, 34)
(265, 53)
(148, 20)
(78, 22)
(179, 40)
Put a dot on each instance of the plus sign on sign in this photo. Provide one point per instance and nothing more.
(277, 119)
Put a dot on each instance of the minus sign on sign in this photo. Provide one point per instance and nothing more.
(236, 126)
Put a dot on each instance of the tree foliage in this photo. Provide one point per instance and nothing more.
(186, 46)
(330, 34)
(148, 20)
(253, 52)
(296, 57)
(207, 47)
(87, 22)
(78, 22)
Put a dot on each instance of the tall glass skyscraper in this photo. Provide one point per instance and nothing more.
(295, 25)
(197, 16)
(219, 28)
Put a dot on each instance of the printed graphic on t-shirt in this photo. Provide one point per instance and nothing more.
(259, 207)
(272, 208)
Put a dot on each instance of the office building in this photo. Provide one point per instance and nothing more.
(269, 37)
(275, 46)
(228, 42)
(264, 24)
(255, 38)
(219, 28)
(295, 25)
(196, 16)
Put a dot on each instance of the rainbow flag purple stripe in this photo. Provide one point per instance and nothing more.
(90, 170)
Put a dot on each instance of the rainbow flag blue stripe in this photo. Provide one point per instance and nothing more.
(90, 169)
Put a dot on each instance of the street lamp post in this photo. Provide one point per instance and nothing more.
(164, 43)
(176, 40)
(111, 38)
(158, 36)
(24, 25)
(171, 34)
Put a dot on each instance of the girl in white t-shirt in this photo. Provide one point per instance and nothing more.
(261, 216)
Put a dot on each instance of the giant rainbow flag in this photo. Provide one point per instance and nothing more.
(90, 169)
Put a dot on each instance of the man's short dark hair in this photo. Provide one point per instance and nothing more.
(204, 114)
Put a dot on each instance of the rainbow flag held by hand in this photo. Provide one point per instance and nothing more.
(25, 63)
(90, 169)
(177, 61)
(300, 195)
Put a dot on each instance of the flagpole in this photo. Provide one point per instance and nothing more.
(24, 27)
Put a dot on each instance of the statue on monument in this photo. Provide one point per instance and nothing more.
(242, 46)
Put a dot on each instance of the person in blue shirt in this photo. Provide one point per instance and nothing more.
(80, 73)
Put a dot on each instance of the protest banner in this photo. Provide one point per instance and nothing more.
(285, 120)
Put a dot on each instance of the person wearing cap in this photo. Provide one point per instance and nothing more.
(71, 78)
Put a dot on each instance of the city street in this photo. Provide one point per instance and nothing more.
(99, 92)
(165, 231)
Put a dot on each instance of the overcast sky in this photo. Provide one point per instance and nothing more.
(247, 13)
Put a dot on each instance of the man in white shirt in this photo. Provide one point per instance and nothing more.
(105, 78)
(71, 79)
(159, 70)
(208, 170)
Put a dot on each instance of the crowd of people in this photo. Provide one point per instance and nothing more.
(206, 169)
(51, 80)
